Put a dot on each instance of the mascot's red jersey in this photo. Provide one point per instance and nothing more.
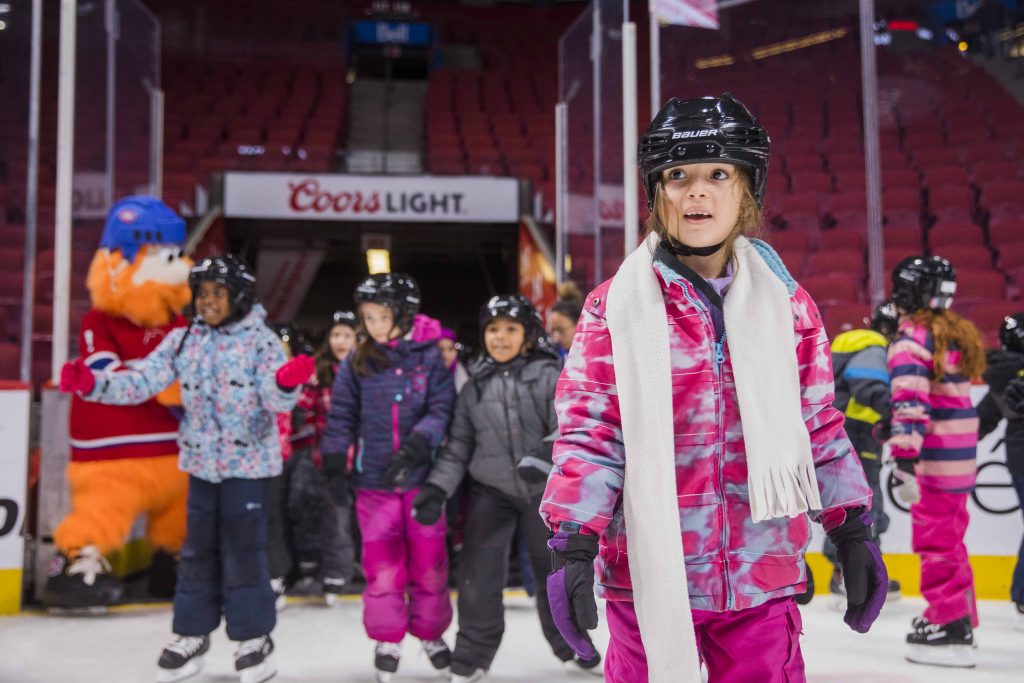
(106, 432)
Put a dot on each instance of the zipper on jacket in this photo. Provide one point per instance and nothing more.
(395, 440)
(719, 371)
(719, 361)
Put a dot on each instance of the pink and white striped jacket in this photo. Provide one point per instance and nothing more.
(933, 419)
(731, 562)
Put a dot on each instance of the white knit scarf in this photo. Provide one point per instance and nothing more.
(781, 480)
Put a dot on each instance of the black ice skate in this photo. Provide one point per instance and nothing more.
(588, 666)
(950, 645)
(894, 591)
(333, 586)
(253, 661)
(439, 654)
(81, 582)
(1019, 624)
(182, 658)
(385, 660)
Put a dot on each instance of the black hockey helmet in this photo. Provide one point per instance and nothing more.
(1011, 333)
(347, 318)
(923, 282)
(885, 319)
(397, 291)
(229, 271)
(514, 306)
(701, 130)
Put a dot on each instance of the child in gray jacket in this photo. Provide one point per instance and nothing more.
(501, 435)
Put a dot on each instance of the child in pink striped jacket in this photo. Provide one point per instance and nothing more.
(934, 439)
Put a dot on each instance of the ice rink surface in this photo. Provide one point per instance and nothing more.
(317, 644)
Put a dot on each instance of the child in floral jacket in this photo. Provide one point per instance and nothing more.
(234, 379)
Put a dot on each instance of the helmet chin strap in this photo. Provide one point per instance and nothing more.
(679, 249)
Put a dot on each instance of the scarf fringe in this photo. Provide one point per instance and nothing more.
(784, 492)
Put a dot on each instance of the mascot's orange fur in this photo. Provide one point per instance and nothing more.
(124, 458)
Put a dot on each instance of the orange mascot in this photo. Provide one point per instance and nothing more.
(124, 459)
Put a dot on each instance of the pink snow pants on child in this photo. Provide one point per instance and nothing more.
(401, 556)
(939, 522)
(756, 645)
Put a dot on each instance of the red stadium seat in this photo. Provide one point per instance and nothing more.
(979, 285)
(1000, 231)
(964, 234)
(966, 257)
(842, 317)
(788, 240)
(836, 262)
(1002, 193)
(988, 316)
(794, 261)
(843, 239)
(826, 290)
(1011, 255)
(908, 239)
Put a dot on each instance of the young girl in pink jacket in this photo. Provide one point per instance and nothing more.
(934, 442)
(697, 433)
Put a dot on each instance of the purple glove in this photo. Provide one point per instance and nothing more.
(864, 573)
(571, 589)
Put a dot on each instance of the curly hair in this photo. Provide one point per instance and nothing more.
(949, 328)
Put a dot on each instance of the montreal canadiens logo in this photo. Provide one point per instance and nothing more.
(127, 215)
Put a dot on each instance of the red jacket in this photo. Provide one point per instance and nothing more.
(108, 432)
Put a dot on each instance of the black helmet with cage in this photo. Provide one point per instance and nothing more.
(923, 282)
(702, 130)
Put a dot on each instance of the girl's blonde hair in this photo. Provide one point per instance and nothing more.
(748, 223)
(949, 328)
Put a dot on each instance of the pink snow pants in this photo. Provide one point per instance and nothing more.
(939, 522)
(756, 645)
(400, 557)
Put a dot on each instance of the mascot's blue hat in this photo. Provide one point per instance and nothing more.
(138, 220)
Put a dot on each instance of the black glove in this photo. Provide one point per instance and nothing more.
(535, 468)
(428, 505)
(571, 589)
(337, 481)
(414, 451)
(882, 430)
(1014, 394)
(864, 574)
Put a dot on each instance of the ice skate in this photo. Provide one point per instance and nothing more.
(467, 673)
(385, 660)
(80, 583)
(950, 645)
(837, 591)
(253, 660)
(590, 667)
(333, 586)
(1018, 625)
(279, 587)
(439, 654)
(894, 591)
(182, 658)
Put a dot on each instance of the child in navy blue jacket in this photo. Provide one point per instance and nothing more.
(393, 398)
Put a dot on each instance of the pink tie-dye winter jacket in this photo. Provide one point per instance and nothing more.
(731, 562)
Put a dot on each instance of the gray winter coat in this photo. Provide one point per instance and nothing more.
(504, 414)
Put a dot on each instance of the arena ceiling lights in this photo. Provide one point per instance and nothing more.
(775, 49)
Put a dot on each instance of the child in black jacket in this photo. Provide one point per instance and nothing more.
(1005, 400)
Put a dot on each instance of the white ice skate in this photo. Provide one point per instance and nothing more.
(253, 660)
(279, 587)
(182, 659)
